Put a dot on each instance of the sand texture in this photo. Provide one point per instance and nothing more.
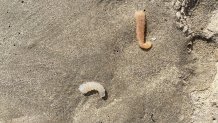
(50, 47)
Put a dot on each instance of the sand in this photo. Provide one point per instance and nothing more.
(49, 47)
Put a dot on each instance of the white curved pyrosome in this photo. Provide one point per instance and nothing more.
(89, 86)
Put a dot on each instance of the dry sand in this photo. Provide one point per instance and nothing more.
(49, 47)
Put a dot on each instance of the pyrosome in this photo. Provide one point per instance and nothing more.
(140, 29)
(89, 86)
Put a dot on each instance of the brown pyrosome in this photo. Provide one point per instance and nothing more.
(141, 30)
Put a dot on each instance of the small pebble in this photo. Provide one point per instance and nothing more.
(183, 10)
(185, 29)
(178, 15)
(153, 38)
